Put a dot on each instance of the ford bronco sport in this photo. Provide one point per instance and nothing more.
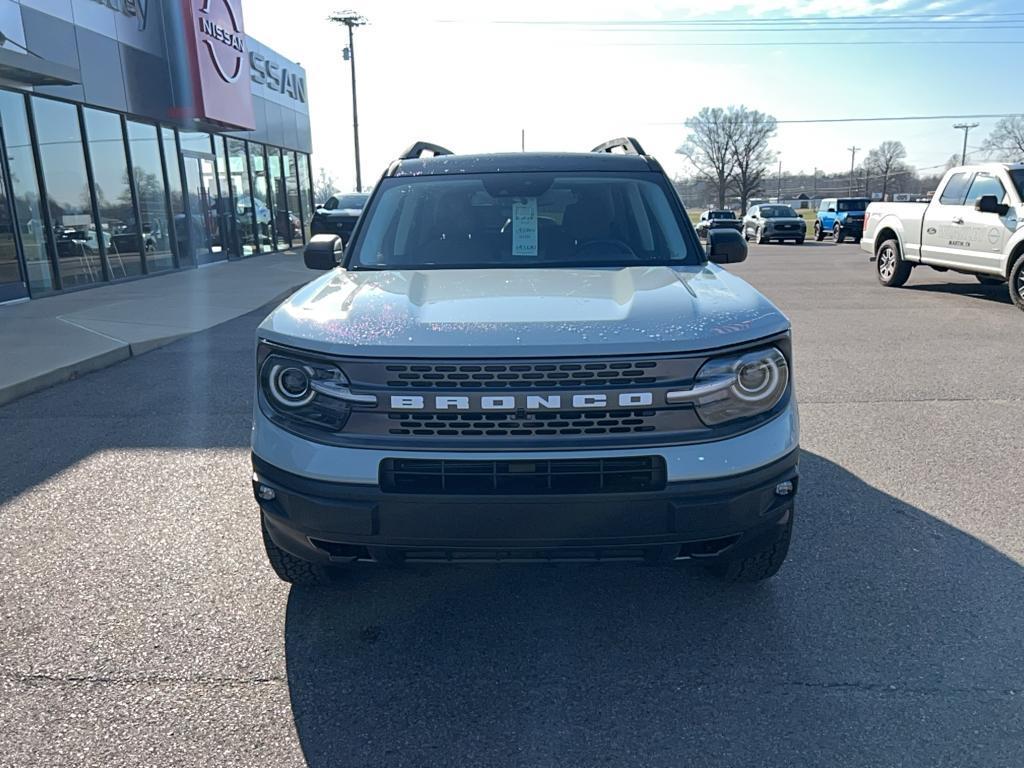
(525, 358)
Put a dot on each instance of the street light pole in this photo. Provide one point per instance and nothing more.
(351, 19)
(778, 197)
(853, 158)
(966, 128)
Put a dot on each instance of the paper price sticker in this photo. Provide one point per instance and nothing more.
(524, 227)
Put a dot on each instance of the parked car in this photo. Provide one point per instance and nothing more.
(525, 358)
(841, 218)
(717, 220)
(971, 225)
(338, 216)
(765, 223)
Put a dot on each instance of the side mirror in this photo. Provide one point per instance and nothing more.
(831, 210)
(319, 206)
(726, 246)
(323, 252)
(991, 204)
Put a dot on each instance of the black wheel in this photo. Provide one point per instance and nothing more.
(856, 240)
(292, 569)
(837, 234)
(761, 240)
(989, 280)
(893, 271)
(1017, 281)
(819, 235)
(758, 564)
(800, 241)
(746, 234)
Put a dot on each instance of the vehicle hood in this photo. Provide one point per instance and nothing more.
(523, 312)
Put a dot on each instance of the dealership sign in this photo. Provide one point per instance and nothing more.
(266, 71)
(215, 38)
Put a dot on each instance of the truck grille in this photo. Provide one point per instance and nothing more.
(563, 476)
(515, 425)
(522, 375)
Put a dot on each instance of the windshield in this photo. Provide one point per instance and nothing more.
(722, 215)
(521, 220)
(1017, 177)
(347, 202)
(777, 212)
(852, 205)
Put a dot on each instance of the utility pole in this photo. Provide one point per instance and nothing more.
(351, 19)
(853, 158)
(522, 140)
(966, 128)
(778, 197)
(814, 193)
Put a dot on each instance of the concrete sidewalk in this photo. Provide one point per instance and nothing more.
(50, 340)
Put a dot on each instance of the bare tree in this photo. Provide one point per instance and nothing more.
(1006, 142)
(953, 162)
(886, 160)
(323, 186)
(750, 154)
(709, 148)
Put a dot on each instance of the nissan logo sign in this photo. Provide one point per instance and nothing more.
(276, 77)
(224, 40)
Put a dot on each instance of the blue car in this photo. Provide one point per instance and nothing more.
(841, 217)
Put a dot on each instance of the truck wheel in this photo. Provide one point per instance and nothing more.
(989, 280)
(893, 271)
(1017, 282)
(819, 235)
(761, 239)
(837, 233)
(763, 563)
(292, 569)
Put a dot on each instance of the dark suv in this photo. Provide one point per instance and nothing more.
(338, 216)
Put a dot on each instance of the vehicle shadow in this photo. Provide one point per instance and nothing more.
(995, 293)
(889, 638)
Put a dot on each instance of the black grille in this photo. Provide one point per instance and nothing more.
(520, 425)
(522, 375)
(563, 476)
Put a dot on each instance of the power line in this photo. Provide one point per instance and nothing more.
(896, 118)
(819, 19)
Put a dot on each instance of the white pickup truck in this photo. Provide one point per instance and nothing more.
(974, 224)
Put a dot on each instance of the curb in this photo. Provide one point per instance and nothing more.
(20, 389)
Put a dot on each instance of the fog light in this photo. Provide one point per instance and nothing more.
(266, 493)
(784, 488)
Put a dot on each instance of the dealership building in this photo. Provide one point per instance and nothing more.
(140, 137)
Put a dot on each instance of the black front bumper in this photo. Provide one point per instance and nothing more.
(333, 522)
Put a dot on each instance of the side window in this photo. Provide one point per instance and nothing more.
(953, 193)
(985, 184)
(332, 203)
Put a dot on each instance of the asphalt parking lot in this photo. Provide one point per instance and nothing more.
(140, 625)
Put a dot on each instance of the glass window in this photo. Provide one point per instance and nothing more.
(225, 240)
(195, 142)
(25, 192)
(260, 197)
(1017, 175)
(985, 184)
(238, 164)
(149, 185)
(577, 220)
(282, 220)
(777, 212)
(291, 178)
(953, 193)
(176, 194)
(853, 205)
(113, 193)
(305, 192)
(10, 269)
(67, 188)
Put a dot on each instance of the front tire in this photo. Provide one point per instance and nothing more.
(892, 270)
(800, 241)
(819, 235)
(837, 234)
(1016, 282)
(292, 569)
(761, 239)
(761, 563)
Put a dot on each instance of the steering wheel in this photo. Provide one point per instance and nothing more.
(604, 249)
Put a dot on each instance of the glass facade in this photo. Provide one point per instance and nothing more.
(24, 193)
(144, 145)
(126, 198)
(72, 227)
(113, 191)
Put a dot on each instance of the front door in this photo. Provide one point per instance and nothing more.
(201, 223)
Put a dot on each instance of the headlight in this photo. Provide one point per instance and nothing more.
(301, 392)
(741, 386)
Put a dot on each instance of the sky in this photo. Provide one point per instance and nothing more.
(472, 74)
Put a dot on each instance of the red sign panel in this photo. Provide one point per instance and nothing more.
(215, 38)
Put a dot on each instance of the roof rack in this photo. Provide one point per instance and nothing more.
(416, 151)
(626, 143)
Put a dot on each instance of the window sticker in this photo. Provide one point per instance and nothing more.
(524, 227)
